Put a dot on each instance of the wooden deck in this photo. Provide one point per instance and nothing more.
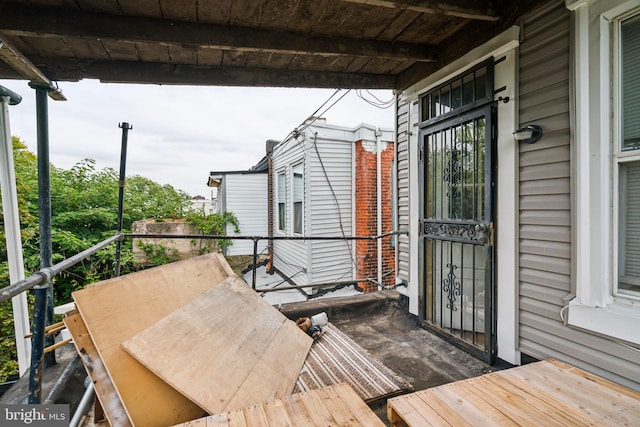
(549, 393)
(335, 405)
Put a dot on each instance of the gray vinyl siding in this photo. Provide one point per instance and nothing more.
(402, 190)
(246, 197)
(290, 257)
(330, 260)
(545, 216)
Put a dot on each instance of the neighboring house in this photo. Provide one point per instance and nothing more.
(204, 205)
(526, 250)
(325, 183)
(245, 194)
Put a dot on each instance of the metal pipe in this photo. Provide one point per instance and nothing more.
(315, 285)
(13, 239)
(14, 98)
(83, 406)
(44, 204)
(43, 305)
(210, 236)
(255, 261)
(36, 370)
(46, 274)
(379, 203)
(123, 165)
(61, 382)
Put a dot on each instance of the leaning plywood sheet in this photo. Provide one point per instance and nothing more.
(225, 350)
(104, 389)
(117, 309)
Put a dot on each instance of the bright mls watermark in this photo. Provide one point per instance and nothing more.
(34, 415)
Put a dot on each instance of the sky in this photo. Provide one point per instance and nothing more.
(180, 133)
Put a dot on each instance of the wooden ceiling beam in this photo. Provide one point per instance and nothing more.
(206, 75)
(469, 9)
(473, 35)
(17, 61)
(33, 21)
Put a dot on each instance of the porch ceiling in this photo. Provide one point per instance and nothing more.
(288, 43)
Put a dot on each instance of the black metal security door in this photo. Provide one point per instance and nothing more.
(457, 228)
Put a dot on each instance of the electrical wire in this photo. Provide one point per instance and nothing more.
(310, 119)
(383, 105)
(335, 198)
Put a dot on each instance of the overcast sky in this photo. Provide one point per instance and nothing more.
(180, 133)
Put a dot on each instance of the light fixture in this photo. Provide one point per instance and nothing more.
(528, 134)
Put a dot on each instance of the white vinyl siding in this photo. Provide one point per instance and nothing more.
(402, 191)
(330, 260)
(290, 257)
(246, 197)
(327, 155)
(547, 257)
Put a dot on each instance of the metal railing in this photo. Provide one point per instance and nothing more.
(41, 279)
(44, 276)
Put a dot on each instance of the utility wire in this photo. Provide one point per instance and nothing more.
(378, 103)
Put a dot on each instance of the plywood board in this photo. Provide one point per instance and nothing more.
(225, 350)
(102, 384)
(117, 309)
(336, 405)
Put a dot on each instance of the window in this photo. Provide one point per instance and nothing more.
(627, 158)
(298, 197)
(282, 197)
(607, 158)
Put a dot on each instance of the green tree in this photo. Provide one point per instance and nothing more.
(84, 212)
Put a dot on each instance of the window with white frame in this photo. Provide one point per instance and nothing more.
(626, 156)
(281, 190)
(298, 198)
(607, 158)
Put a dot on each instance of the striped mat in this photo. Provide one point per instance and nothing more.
(336, 358)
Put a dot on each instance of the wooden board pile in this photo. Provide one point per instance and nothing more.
(178, 342)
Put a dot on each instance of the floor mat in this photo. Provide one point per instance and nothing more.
(335, 357)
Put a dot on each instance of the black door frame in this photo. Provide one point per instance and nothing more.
(489, 111)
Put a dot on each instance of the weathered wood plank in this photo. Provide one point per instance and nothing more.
(471, 407)
(443, 410)
(466, 9)
(102, 384)
(117, 309)
(336, 405)
(258, 351)
(548, 393)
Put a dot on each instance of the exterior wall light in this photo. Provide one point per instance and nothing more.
(528, 134)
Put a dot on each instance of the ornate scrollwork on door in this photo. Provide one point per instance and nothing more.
(450, 229)
(451, 287)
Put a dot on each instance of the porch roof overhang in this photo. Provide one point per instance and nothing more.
(373, 44)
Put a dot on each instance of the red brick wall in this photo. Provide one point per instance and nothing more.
(366, 214)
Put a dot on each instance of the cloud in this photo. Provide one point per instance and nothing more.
(180, 133)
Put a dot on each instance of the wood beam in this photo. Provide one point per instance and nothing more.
(21, 64)
(470, 37)
(181, 74)
(468, 9)
(35, 21)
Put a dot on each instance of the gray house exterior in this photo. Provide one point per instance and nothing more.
(245, 194)
(314, 195)
(519, 250)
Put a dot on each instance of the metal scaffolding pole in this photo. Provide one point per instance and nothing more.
(12, 229)
(123, 176)
(43, 306)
